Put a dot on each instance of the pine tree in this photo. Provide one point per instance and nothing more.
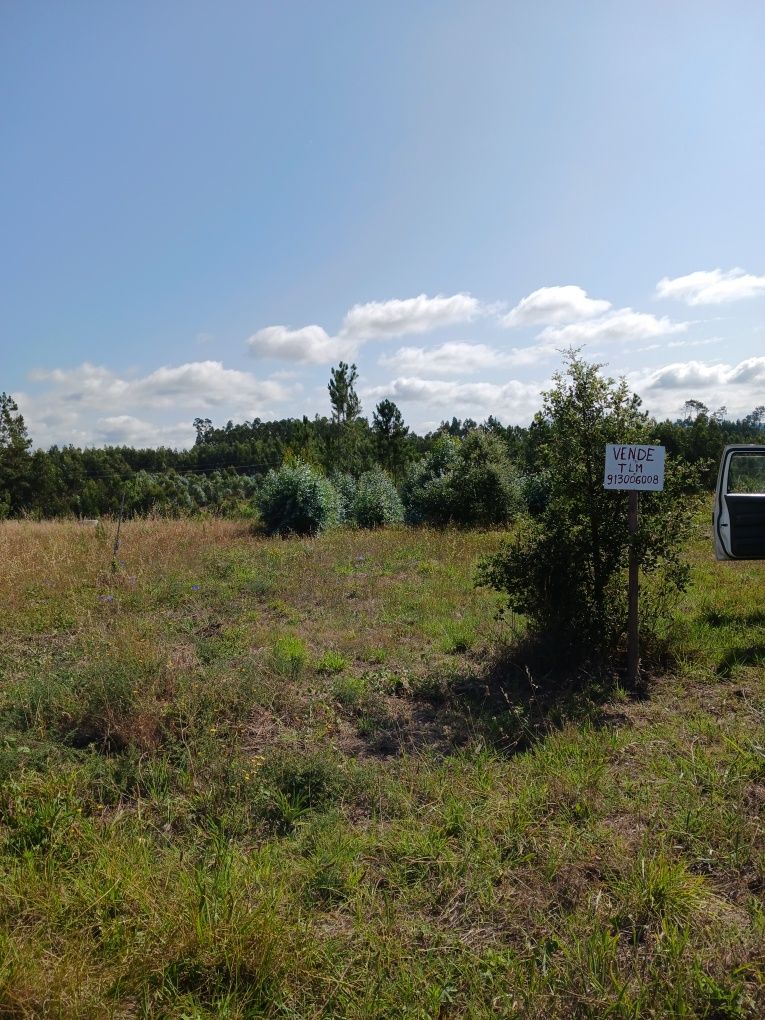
(346, 405)
(390, 436)
(15, 459)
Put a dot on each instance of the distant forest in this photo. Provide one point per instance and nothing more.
(222, 470)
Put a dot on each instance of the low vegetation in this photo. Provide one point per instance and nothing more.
(245, 777)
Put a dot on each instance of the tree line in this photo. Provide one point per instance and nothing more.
(226, 465)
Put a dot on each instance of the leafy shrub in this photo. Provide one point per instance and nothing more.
(469, 482)
(485, 488)
(346, 487)
(296, 498)
(427, 493)
(565, 569)
(376, 501)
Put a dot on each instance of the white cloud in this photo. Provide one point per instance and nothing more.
(513, 400)
(623, 325)
(703, 374)
(739, 387)
(199, 384)
(92, 404)
(459, 358)
(375, 320)
(310, 345)
(126, 430)
(552, 305)
(711, 287)
(382, 320)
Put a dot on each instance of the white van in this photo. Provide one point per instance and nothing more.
(739, 514)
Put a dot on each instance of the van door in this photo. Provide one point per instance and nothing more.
(739, 514)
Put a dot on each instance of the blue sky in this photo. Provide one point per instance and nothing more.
(205, 206)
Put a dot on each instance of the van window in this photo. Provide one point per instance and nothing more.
(746, 473)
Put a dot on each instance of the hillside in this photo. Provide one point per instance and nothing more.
(246, 777)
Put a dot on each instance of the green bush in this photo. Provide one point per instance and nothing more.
(297, 499)
(485, 488)
(376, 501)
(427, 493)
(565, 568)
(469, 483)
(346, 487)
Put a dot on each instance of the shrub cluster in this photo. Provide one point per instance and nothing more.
(469, 483)
(175, 495)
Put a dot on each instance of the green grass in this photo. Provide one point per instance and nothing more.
(250, 778)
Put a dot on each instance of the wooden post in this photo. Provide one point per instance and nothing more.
(633, 628)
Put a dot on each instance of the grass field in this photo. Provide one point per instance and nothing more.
(253, 778)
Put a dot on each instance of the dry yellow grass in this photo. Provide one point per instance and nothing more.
(62, 554)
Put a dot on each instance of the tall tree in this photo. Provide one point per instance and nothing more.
(695, 409)
(204, 430)
(390, 435)
(15, 458)
(346, 405)
(345, 439)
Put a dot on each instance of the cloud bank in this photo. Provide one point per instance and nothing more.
(375, 320)
(711, 287)
(739, 387)
(623, 326)
(459, 358)
(92, 404)
(512, 400)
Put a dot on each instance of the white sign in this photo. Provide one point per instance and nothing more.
(637, 468)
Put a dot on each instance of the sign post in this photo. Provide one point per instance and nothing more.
(633, 625)
(631, 468)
